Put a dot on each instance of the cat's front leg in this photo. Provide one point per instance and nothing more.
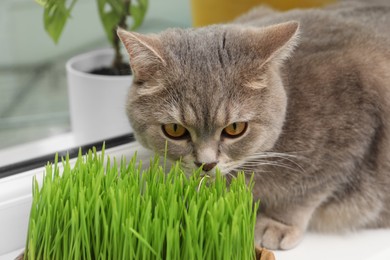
(283, 228)
(273, 234)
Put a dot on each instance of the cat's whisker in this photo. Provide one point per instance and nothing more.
(274, 163)
(249, 171)
(253, 164)
(273, 155)
(271, 163)
(294, 163)
(229, 176)
(284, 156)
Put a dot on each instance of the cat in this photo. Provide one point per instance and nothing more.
(300, 98)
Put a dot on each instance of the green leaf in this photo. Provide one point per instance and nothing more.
(138, 12)
(110, 12)
(41, 2)
(143, 241)
(116, 5)
(55, 16)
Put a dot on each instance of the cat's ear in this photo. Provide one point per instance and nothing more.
(276, 42)
(145, 52)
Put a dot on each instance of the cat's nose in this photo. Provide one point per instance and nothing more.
(206, 166)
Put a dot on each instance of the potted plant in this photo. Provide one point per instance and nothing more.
(97, 210)
(98, 81)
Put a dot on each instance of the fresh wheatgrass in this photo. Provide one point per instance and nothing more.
(101, 209)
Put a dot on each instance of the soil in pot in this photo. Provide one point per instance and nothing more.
(123, 70)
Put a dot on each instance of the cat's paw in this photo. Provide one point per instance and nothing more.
(274, 235)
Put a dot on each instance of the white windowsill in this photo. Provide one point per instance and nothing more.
(36, 149)
(15, 200)
(39, 148)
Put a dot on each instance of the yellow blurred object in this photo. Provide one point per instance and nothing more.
(205, 12)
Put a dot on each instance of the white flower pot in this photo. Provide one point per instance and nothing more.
(97, 103)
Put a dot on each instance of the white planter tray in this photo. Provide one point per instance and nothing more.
(15, 200)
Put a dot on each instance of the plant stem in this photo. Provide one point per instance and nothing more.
(118, 59)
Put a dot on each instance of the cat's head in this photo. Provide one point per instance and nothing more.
(213, 94)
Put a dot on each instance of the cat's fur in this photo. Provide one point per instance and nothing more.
(316, 98)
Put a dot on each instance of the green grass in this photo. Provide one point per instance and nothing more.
(101, 209)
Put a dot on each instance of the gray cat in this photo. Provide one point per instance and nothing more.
(300, 98)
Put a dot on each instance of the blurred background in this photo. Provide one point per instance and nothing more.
(33, 87)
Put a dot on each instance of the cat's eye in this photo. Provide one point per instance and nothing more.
(235, 130)
(175, 131)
